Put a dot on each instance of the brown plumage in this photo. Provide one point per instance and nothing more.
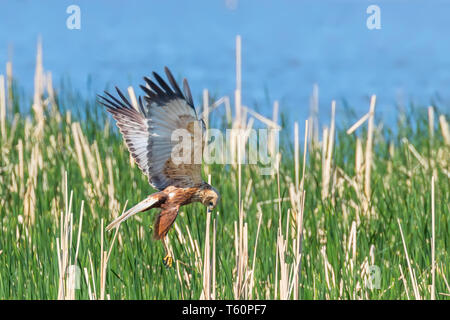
(147, 131)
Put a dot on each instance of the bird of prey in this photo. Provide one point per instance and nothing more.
(147, 130)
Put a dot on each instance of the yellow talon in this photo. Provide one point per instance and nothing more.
(168, 260)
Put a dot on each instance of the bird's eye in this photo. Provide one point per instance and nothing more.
(211, 204)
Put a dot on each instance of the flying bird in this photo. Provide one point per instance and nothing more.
(147, 130)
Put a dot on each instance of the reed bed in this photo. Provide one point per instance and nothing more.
(356, 212)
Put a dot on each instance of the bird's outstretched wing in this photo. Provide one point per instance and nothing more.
(163, 134)
(164, 220)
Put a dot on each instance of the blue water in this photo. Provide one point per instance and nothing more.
(287, 47)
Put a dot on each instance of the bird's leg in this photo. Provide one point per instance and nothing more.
(167, 260)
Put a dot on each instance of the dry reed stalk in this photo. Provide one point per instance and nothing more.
(99, 181)
(240, 237)
(274, 126)
(195, 249)
(441, 272)
(433, 243)
(39, 82)
(275, 111)
(113, 203)
(79, 231)
(411, 273)
(252, 278)
(290, 270)
(232, 146)
(270, 123)
(351, 247)
(213, 296)
(21, 169)
(416, 154)
(305, 152)
(444, 129)
(358, 123)
(180, 279)
(297, 196)
(368, 155)
(332, 134)
(228, 110)
(30, 194)
(13, 129)
(361, 288)
(225, 100)
(205, 113)
(329, 272)
(206, 292)
(241, 248)
(363, 166)
(248, 199)
(372, 254)
(205, 118)
(359, 167)
(243, 275)
(91, 295)
(240, 112)
(9, 81)
(289, 273)
(105, 258)
(90, 160)
(238, 78)
(405, 283)
(92, 291)
(327, 153)
(68, 118)
(284, 267)
(431, 121)
(239, 179)
(68, 272)
(96, 183)
(277, 171)
(78, 149)
(276, 270)
(99, 163)
(52, 97)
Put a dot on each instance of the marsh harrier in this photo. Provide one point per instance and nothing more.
(147, 129)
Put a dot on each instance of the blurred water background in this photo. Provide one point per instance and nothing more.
(287, 47)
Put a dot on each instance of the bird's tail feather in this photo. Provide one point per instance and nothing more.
(144, 205)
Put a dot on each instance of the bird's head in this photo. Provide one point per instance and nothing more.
(209, 196)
